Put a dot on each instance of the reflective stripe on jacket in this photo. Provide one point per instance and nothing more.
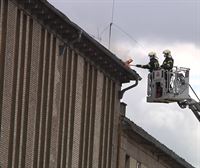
(152, 65)
(168, 63)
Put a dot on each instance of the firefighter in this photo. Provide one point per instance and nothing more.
(153, 63)
(168, 63)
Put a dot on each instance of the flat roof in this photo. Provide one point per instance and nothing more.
(74, 36)
(139, 135)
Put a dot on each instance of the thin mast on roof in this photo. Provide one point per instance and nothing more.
(110, 30)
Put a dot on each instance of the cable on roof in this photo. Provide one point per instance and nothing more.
(119, 28)
(128, 35)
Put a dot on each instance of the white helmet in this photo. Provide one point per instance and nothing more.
(167, 53)
(152, 54)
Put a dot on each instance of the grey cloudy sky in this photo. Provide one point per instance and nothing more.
(141, 26)
(163, 19)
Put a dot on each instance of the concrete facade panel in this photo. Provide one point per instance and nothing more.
(97, 144)
(55, 112)
(33, 93)
(7, 51)
(77, 116)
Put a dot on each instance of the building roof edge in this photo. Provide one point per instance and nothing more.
(69, 32)
(129, 126)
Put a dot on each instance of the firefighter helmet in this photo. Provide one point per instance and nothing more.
(152, 54)
(167, 53)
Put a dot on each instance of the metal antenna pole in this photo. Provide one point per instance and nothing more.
(110, 33)
(110, 30)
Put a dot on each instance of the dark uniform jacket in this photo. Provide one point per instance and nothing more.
(152, 65)
(168, 63)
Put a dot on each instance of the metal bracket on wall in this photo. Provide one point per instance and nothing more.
(78, 39)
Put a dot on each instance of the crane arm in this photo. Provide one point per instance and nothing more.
(192, 105)
(195, 107)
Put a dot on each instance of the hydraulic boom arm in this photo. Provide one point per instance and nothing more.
(193, 105)
(196, 110)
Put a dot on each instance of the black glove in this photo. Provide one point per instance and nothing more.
(138, 65)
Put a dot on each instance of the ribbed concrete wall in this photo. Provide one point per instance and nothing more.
(55, 110)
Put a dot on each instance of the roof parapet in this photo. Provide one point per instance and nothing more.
(69, 32)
